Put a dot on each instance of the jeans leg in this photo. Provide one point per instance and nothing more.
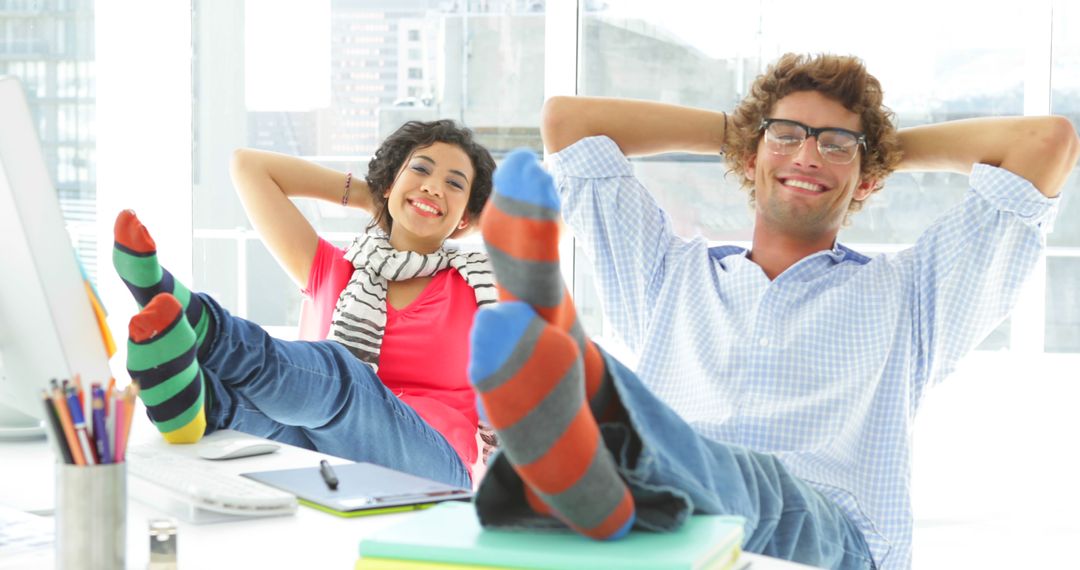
(230, 410)
(785, 517)
(337, 401)
(673, 472)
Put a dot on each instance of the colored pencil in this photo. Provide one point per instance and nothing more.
(68, 426)
(52, 421)
(129, 411)
(119, 417)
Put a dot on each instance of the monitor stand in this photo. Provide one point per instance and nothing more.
(16, 426)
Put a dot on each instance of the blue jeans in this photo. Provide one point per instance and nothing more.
(318, 396)
(673, 472)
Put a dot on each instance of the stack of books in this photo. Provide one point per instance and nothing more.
(449, 537)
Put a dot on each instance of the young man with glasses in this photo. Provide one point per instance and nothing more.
(779, 382)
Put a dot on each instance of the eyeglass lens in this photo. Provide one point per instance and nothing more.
(836, 146)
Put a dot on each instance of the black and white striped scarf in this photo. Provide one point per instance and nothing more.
(360, 314)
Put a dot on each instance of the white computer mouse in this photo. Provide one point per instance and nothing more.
(234, 448)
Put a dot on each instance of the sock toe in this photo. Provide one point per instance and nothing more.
(497, 329)
(151, 321)
(521, 177)
(129, 232)
(623, 530)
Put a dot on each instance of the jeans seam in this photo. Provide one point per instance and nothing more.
(384, 395)
(862, 515)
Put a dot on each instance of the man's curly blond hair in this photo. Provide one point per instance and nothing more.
(843, 79)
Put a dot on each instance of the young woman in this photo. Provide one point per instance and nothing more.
(389, 384)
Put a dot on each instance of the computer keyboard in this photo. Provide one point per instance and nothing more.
(199, 483)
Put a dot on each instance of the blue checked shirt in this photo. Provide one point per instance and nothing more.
(825, 366)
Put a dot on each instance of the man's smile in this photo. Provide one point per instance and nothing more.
(804, 184)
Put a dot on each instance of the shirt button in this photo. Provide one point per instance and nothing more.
(764, 341)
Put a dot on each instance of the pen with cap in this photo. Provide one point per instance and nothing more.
(76, 381)
(328, 474)
(101, 433)
(80, 427)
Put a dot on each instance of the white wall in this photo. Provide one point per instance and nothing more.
(143, 53)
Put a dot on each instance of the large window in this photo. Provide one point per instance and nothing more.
(1063, 264)
(49, 46)
(346, 75)
(660, 52)
(350, 71)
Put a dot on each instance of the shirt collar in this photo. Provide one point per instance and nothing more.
(812, 263)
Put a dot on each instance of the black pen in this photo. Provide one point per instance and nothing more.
(328, 475)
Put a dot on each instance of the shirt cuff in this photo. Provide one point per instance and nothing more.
(1009, 192)
(593, 157)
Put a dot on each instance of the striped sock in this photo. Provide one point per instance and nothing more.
(529, 380)
(521, 234)
(135, 259)
(161, 357)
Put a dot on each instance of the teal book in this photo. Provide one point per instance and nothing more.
(450, 535)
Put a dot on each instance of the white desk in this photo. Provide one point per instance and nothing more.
(308, 539)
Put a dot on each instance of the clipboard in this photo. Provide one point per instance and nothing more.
(363, 489)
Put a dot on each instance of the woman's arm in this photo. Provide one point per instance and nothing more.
(266, 182)
(1042, 150)
(638, 127)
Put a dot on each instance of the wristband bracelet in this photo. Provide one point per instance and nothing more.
(723, 138)
(345, 196)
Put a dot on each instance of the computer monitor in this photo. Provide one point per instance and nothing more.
(47, 324)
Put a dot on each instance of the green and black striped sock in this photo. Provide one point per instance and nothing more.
(135, 259)
(161, 357)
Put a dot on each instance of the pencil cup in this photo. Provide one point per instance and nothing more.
(91, 516)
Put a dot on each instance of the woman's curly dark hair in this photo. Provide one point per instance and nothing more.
(841, 78)
(392, 153)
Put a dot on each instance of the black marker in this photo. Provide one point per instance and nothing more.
(328, 475)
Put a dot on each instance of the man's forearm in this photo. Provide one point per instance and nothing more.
(638, 127)
(1042, 150)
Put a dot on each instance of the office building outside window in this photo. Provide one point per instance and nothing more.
(49, 46)
(657, 52)
(384, 62)
(1063, 265)
(370, 66)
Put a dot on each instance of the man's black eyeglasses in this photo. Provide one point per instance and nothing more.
(836, 145)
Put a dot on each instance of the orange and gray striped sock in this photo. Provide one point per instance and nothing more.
(161, 356)
(529, 379)
(521, 235)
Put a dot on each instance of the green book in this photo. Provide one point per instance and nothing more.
(450, 534)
